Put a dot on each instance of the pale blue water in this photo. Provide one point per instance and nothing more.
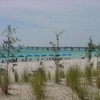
(43, 53)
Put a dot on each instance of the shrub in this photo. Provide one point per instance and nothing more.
(90, 49)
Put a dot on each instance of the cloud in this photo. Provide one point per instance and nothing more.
(44, 16)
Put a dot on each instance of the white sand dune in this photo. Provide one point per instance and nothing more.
(55, 91)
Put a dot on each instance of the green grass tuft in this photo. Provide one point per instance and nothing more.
(88, 74)
(73, 76)
(38, 83)
(4, 83)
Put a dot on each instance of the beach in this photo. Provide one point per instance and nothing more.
(50, 64)
(22, 91)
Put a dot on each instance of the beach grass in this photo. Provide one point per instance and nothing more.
(25, 75)
(97, 96)
(38, 83)
(4, 83)
(95, 72)
(49, 75)
(97, 77)
(88, 74)
(56, 77)
(78, 80)
(73, 76)
(61, 74)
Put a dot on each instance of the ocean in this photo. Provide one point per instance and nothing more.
(40, 53)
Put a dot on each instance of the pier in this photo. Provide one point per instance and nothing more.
(60, 48)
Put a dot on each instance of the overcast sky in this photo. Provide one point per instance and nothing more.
(38, 19)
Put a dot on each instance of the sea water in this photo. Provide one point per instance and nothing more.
(35, 53)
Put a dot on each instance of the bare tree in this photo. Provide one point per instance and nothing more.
(8, 49)
(55, 48)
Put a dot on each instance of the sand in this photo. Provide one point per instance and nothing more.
(49, 66)
(54, 91)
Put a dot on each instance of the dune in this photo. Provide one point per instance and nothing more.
(22, 91)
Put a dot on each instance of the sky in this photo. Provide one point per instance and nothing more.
(38, 20)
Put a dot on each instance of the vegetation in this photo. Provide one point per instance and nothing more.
(49, 76)
(97, 77)
(61, 74)
(97, 96)
(25, 75)
(88, 74)
(98, 55)
(90, 49)
(4, 83)
(9, 43)
(8, 50)
(80, 84)
(38, 83)
(72, 76)
(55, 48)
(78, 81)
(73, 81)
